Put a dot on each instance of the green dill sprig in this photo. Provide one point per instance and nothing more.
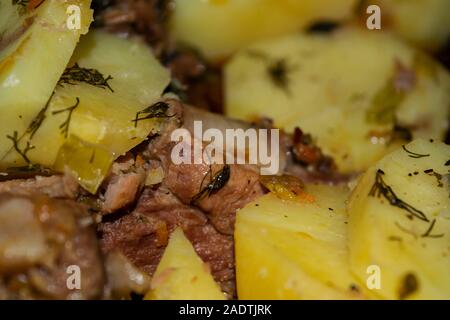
(33, 127)
(380, 188)
(217, 182)
(73, 75)
(427, 233)
(23, 153)
(38, 119)
(155, 111)
(65, 126)
(405, 230)
(414, 154)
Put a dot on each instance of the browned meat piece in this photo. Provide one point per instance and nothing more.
(186, 180)
(242, 187)
(56, 186)
(298, 156)
(143, 235)
(40, 238)
(121, 191)
(124, 182)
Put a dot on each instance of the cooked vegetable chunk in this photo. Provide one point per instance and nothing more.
(36, 46)
(399, 221)
(182, 275)
(220, 27)
(108, 81)
(361, 94)
(294, 249)
(424, 23)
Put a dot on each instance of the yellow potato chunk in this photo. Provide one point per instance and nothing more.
(182, 275)
(36, 47)
(220, 27)
(399, 222)
(295, 249)
(98, 112)
(361, 94)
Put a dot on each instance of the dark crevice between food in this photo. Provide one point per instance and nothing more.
(323, 27)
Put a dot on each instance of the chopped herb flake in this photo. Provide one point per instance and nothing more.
(217, 182)
(65, 126)
(157, 110)
(75, 74)
(380, 188)
(414, 154)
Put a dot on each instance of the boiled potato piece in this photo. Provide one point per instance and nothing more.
(101, 114)
(35, 51)
(220, 27)
(423, 23)
(294, 249)
(15, 21)
(360, 94)
(399, 221)
(182, 275)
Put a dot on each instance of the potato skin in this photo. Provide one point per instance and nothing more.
(330, 84)
(411, 251)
